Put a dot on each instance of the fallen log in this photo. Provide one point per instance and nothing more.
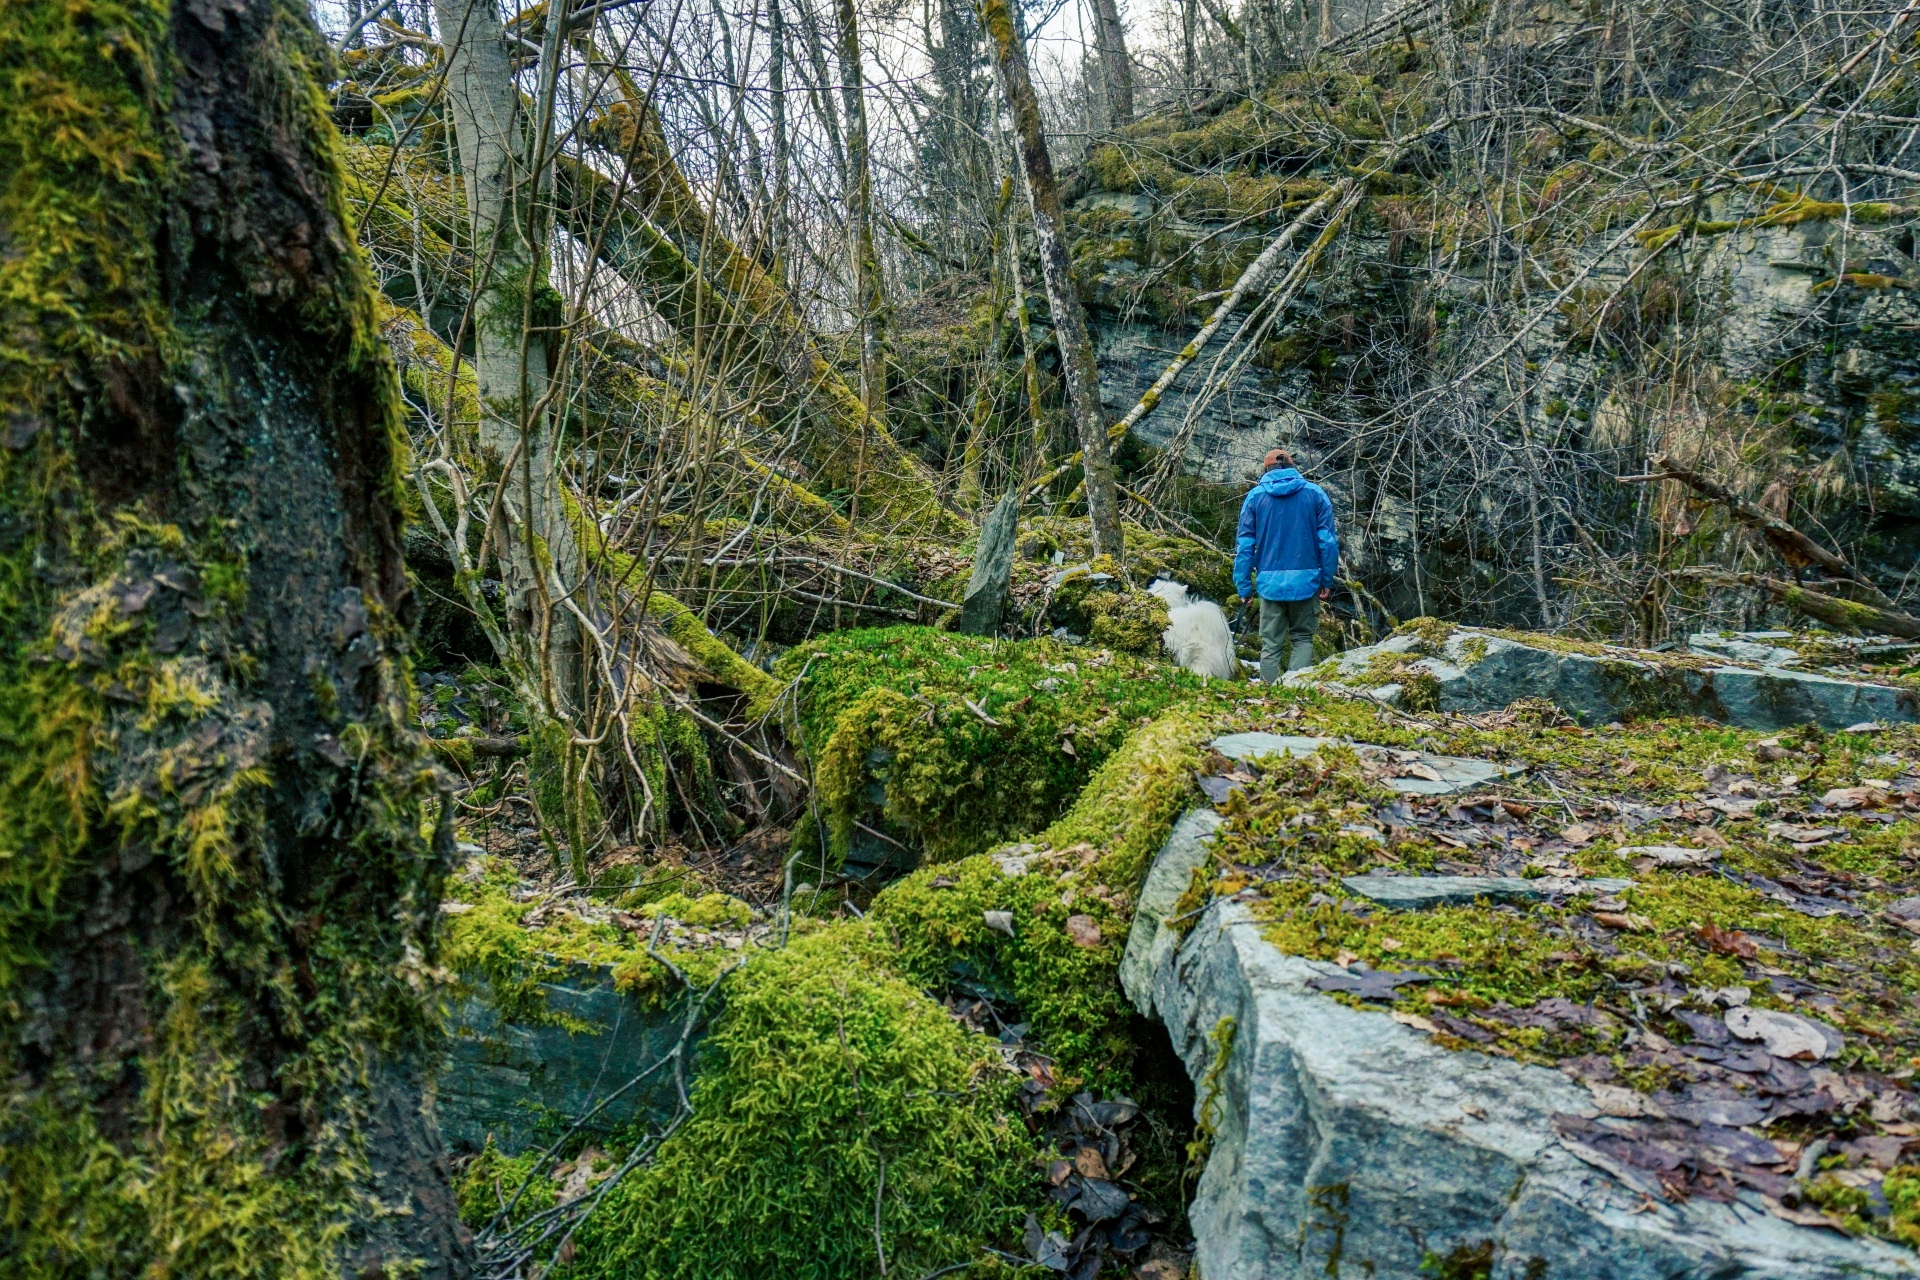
(1793, 546)
(1848, 614)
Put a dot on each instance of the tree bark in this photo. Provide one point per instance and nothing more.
(1081, 375)
(1116, 70)
(870, 301)
(515, 315)
(782, 143)
(216, 901)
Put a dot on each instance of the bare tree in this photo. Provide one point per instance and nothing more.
(1082, 376)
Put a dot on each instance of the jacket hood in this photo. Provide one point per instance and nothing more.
(1282, 482)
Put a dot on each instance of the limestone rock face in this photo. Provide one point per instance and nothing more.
(1344, 1143)
(1473, 670)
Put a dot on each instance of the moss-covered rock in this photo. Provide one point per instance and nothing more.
(1088, 865)
(950, 743)
(1095, 601)
(840, 1117)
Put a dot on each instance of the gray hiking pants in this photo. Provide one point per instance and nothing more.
(1281, 622)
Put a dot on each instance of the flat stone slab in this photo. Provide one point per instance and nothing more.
(1746, 646)
(1411, 893)
(1348, 1144)
(1476, 671)
(520, 1083)
(1451, 773)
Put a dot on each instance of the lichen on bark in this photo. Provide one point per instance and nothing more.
(216, 886)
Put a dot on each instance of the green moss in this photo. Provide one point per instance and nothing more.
(512, 942)
(1902, 1189)
(1296, 818)
(835, 1103)
(1431, 633)
(1206, 1124)
(1110, 613)
(884, 716)
(1090, 862)
(492, 1182)
(1151, 553)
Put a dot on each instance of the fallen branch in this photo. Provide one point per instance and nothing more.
(980, 711)
(1848, 614)
(1254, 277)
(1348, 192)
(1795, 547)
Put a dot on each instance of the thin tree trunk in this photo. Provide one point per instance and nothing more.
(782, 143)
(1116, 71)
(217, 903)
(820, 90)
(1080, 373)
(869, 295)
(514, 309)
(1189, 54)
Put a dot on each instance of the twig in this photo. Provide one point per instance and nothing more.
(981, 712)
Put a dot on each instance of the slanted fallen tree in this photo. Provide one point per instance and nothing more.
(650, 227)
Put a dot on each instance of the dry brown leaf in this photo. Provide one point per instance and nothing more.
(1728, 942)
(1084, 930)
(1090, 1163)
(1628, 920)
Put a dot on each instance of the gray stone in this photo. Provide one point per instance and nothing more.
(1478, 671)
(1410, 893)
(1452, 773)
(986, 597)
(1348, 1144)
(522, 1084)
(1745, 646)
(1151, 942)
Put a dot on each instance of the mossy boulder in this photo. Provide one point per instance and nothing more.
(946, 745)
(840, 1117)
(1096, 601)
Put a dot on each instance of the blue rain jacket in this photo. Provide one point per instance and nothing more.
(1287, 546)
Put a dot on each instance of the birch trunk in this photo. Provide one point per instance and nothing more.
(515, 314)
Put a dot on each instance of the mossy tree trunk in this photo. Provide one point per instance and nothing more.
(216, 894)
(1081, 375)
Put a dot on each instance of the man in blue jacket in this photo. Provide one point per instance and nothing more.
(1287, 553)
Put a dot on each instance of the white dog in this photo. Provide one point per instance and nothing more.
(1197, 635)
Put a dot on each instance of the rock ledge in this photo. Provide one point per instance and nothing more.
(1345, 1143)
